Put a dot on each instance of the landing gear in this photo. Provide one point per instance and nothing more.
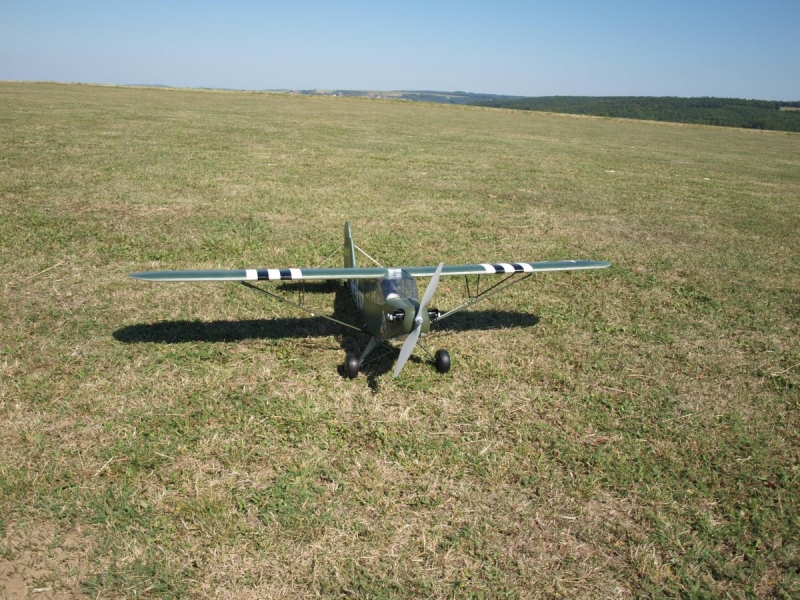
(442, 361)
(351, 364)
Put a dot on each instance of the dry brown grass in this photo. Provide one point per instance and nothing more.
(624, 433)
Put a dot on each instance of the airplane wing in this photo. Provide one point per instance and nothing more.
(263, 274)
(508, 268)
(367, 273)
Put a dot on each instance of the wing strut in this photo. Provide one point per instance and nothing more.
(498, 287)
(300, 306)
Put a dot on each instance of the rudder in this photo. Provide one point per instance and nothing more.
(349, 248)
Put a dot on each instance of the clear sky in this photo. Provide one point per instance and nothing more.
(733, 48)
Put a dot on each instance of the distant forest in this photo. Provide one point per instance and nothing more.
(728, 112)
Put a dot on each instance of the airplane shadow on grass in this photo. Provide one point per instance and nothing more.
(186, 331)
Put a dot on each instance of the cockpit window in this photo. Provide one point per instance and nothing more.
(389, 287)
(397, 284)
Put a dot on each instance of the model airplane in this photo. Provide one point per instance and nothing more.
(387, 297)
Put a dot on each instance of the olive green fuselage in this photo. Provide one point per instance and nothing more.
(389, 304)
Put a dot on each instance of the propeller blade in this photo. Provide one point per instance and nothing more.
(431, 288)
(413, 337)
(408, 347)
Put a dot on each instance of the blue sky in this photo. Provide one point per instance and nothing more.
(618, 47)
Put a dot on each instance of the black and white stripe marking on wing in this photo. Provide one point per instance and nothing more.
(507, 268)
(278, 274)
(522, 268)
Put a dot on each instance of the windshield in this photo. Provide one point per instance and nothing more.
(397, 284)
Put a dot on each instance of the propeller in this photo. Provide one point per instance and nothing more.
(411, 340)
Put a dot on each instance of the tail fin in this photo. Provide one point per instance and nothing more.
(349, 248)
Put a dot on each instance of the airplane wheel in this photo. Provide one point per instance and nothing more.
(442, 361)
(351, 366)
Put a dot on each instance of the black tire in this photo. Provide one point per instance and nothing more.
(351, 366)
(442, 361)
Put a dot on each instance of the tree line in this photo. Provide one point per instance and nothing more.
(727, 112)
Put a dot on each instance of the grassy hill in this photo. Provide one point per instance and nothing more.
(724, 112)
(624, 433)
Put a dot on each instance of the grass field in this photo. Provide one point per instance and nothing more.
(632, 432)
